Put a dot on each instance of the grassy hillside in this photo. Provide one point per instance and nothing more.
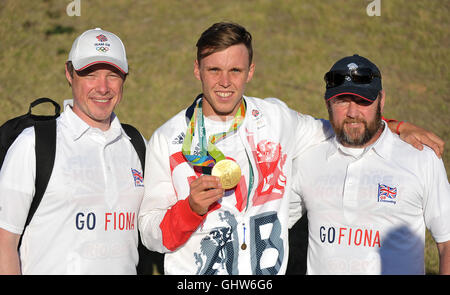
(295, 43)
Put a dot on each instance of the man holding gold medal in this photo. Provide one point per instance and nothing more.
(219, 172)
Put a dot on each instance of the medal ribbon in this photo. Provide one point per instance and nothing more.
(209, 153)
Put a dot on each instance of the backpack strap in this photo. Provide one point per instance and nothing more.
(137, 141)
(42, 100)
(146, 257)
(45, 149)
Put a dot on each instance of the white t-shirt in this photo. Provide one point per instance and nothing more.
(367, 212)
(86, 222)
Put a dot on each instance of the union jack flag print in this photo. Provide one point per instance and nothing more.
(138, 178)
(387, 194)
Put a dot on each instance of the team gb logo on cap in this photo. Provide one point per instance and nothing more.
(101, 38)
(102, 45)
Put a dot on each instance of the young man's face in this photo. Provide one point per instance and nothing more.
(223, 75)
(96, 92)
(355, 120)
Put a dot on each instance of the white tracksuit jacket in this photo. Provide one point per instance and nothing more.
(268, 140)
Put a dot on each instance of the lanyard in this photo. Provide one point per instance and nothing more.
(209, 153)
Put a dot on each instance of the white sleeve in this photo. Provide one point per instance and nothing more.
(17, 182)
(310, 132)
(436, 199)
(159, 192)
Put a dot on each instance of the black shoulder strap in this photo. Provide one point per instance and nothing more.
(137, 141)
(42, 100)
(45, 149)
(146, 257)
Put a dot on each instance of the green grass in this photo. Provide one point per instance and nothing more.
(295, 43)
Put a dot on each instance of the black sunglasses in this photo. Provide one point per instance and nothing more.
(358, 76)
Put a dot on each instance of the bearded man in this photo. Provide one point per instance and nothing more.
(369, 196)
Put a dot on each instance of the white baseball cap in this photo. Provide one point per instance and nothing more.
(98, 46)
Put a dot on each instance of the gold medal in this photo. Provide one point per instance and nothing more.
(229, 173)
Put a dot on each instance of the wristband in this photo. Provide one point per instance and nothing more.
(398, 126)
(388, 120)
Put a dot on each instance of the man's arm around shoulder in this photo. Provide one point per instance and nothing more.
(9, 256)
(444, 257)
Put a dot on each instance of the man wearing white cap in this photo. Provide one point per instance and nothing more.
(87, 220)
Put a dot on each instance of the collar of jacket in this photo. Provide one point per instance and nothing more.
(190, 110)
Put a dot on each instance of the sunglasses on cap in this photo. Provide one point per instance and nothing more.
(357, 76)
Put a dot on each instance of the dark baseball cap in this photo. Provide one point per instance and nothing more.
(353, 75)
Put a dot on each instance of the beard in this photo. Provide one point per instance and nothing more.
(354, 137)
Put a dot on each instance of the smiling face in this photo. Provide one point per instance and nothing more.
(356, 122)
(96, 92)
(224, 75)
